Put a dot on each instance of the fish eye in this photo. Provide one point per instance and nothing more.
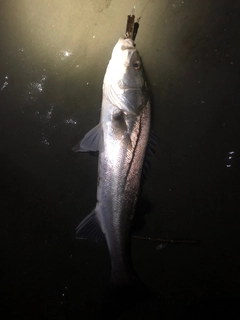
(136, 65)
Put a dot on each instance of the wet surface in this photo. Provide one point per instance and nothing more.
(53, 59)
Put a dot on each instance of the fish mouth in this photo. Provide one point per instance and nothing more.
(127, 44)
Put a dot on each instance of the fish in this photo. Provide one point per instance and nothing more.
(121, 140)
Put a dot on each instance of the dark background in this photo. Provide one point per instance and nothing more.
(50, 98)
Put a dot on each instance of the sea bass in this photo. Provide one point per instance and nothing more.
(121, 138)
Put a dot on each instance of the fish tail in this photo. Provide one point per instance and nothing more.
(128, 284)
(123, 278)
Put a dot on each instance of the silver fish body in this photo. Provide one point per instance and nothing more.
(121, 138)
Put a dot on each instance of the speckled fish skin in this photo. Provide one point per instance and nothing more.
(123, 134)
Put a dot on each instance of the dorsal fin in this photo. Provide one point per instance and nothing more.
(150, 151)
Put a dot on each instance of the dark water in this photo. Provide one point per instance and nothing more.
(53, 59)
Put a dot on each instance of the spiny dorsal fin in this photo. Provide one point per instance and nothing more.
(150, 151)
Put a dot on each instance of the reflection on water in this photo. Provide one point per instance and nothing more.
(230, 158)
(35, 88)
(45, 118)
(5, 83)
(64, 54)
(70, 121)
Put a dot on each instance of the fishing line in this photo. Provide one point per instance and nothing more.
(132, 27)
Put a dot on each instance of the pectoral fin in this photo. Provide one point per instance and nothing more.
(92, 141)
(120, 130)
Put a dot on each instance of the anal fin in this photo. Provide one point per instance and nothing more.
(90, 229)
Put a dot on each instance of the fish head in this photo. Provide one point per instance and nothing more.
(125, 83)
